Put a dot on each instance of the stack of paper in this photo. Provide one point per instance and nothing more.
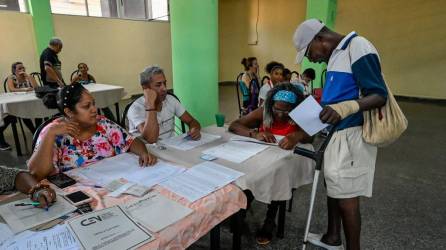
(56, 238)
(182, 142)
(20, 218)
(127, 166)
(201, 180)
(252, 140)
(157, 219)
(236, 151)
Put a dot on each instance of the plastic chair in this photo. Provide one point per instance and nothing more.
(72, 74)
(5, 88)
(241, 88)
(37, 77)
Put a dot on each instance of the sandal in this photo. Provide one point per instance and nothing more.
(265, 234)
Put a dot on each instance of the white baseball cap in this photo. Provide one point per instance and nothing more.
(304, 34)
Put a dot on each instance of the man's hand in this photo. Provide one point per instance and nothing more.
(150, 97)
(147, 159)
(194, 134)
(329, 115)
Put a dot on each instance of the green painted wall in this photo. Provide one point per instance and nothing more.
(194, 32)
(324, 10)
(40, 11)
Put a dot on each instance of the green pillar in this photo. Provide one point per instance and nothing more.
(40, 11)
(194, 31)
(324, 10)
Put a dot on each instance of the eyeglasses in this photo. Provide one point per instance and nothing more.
(283, 112)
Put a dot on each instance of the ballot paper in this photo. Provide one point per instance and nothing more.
(201, 180)
(236, 151)
(109, 228)
(252, 140)
(306, 115)
(183, 142)
(57, 238)
(121, 186)
(127, 166)
(156, 212)
(20, 218)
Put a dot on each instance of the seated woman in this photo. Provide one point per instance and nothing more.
(82, 75)
(275, 71)
(18, 179)
(250, 84)
(263, 124)
(80, 137)
(20, 81)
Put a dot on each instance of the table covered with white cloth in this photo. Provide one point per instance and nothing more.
(27, 105)
(269, 175)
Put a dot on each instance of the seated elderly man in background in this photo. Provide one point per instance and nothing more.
(153, 115)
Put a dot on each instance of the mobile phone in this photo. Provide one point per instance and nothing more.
(78, 198)
(61, 180)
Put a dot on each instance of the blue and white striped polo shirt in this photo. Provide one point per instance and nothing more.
(353, 68)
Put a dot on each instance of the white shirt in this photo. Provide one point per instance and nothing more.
(171, 107)
(264, 91)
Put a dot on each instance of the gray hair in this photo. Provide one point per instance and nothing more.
(55, 41)
(147, 74)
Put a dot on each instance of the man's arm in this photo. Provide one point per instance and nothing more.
(194, 125)
(150, 129)
(53, 75)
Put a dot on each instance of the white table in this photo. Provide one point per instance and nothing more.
(270, 175)
(27, 105)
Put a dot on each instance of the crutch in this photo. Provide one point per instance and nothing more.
(318, 157)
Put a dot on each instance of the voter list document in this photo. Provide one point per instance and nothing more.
(109, 228)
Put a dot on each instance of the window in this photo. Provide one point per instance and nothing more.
(14, 5)
(126, 9)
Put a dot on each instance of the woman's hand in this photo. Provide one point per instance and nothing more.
(65, 128)
(288, 142)
(266, 137)
(194, 134)
(45, 196)
(147, 159)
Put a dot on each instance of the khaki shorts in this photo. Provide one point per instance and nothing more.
(349, 165)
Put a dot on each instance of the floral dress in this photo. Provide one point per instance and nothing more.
(109, 140)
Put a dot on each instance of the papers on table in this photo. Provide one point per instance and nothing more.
(181, 142)
(252, 140)
(201, 180)
(127, 166)
(109, 228)
(56, 238)
(5, 233)
(236, 151)
(118, 187)
(306, 115)
(20, 218)
(156, 212)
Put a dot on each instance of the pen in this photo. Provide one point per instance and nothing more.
(187, 137)
(27, 204)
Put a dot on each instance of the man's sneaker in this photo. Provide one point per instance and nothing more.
(4, 146)
(315, 239)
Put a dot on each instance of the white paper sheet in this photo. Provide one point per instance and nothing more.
(201, 180)
(126, 166)
(252, 140)
(181, 143)
(109, 228)
(236, 151)
(56, 238)
(306, 115)
(20, 218)
(5, 233)
(157, 219)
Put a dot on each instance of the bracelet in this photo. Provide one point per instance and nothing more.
(34, 190)
(151, 110)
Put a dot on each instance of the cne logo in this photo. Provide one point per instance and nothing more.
(91, 220)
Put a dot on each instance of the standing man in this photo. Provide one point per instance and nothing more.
(354, 84)
(50, 65)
